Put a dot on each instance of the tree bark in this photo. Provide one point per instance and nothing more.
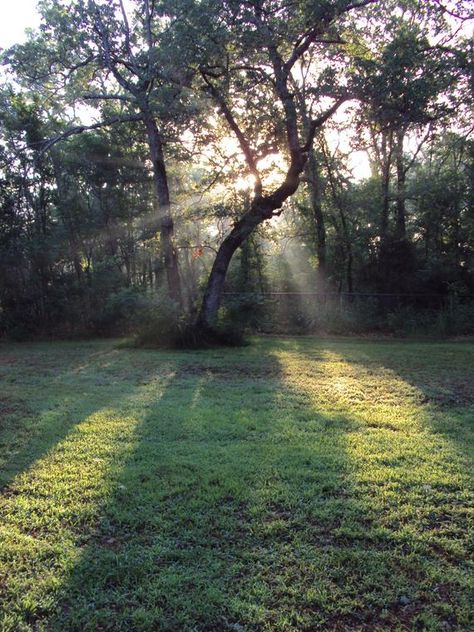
(314, 185)
(170, 255)
(400, 225)
(215, 285)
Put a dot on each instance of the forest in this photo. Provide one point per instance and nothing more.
(273, 166)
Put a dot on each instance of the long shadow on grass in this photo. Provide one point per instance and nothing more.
(442, 374)
(52, 508)
(438, 378)
(47, 390)
(412, 445)
(237, 509)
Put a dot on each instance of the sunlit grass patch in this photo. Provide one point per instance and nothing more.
(291, 485)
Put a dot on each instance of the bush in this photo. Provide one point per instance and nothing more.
(409, 321)
(307, 315)
(244, 312)
(348, 318)
(121, 312)
(163, 324)
(160, 324)
(458, 320)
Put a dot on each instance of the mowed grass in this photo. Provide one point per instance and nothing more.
(294, 484)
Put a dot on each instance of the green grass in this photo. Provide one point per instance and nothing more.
(295, 484)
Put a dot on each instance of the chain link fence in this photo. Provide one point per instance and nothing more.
(352, 312)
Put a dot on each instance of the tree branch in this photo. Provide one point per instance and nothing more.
(98, 97)
(454, 14)
(311, 35)
(111, 65)
(244, 144)
(418, 149)
(45, 145)
(319, 122)
(127, 29)
(358, 5)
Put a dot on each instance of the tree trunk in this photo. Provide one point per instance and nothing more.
(213, 294)
(400, 226)
(314, 185)
(170, 255)
(339, 205)
(385, 173)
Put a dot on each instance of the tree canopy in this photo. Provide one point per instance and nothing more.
(155, 146)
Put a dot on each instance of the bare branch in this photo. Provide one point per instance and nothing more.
(45, 145)
(244, 144)
(319, 122)
(110, 97)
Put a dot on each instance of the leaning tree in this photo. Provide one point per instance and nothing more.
(159, 61)
(250, 55)
(247, 58)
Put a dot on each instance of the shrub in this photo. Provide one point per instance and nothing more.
(244, 312)
(121, 311)
(160, 324)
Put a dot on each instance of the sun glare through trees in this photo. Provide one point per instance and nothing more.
(236, 315)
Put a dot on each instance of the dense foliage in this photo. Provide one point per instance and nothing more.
(155, 153)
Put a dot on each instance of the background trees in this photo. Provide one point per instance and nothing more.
(144, 144)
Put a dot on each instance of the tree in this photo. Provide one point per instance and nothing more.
(261, 44)
(407, 81)
(442, 184)
(126, 69)
(270, 74)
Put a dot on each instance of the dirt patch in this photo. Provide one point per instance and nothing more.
(229, 373)
(9, 406)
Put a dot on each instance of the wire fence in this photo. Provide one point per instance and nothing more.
(383, 300)
(346, 311)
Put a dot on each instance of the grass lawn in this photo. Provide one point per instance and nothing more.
(294, 484)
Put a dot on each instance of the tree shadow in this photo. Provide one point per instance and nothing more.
(56, 488)
(438, 378)
(247, 497)
(48, 389)
(174, 524)
(244, 506)
(412, 447)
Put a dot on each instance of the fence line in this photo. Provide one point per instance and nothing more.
(338, 294)
(318, 303)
